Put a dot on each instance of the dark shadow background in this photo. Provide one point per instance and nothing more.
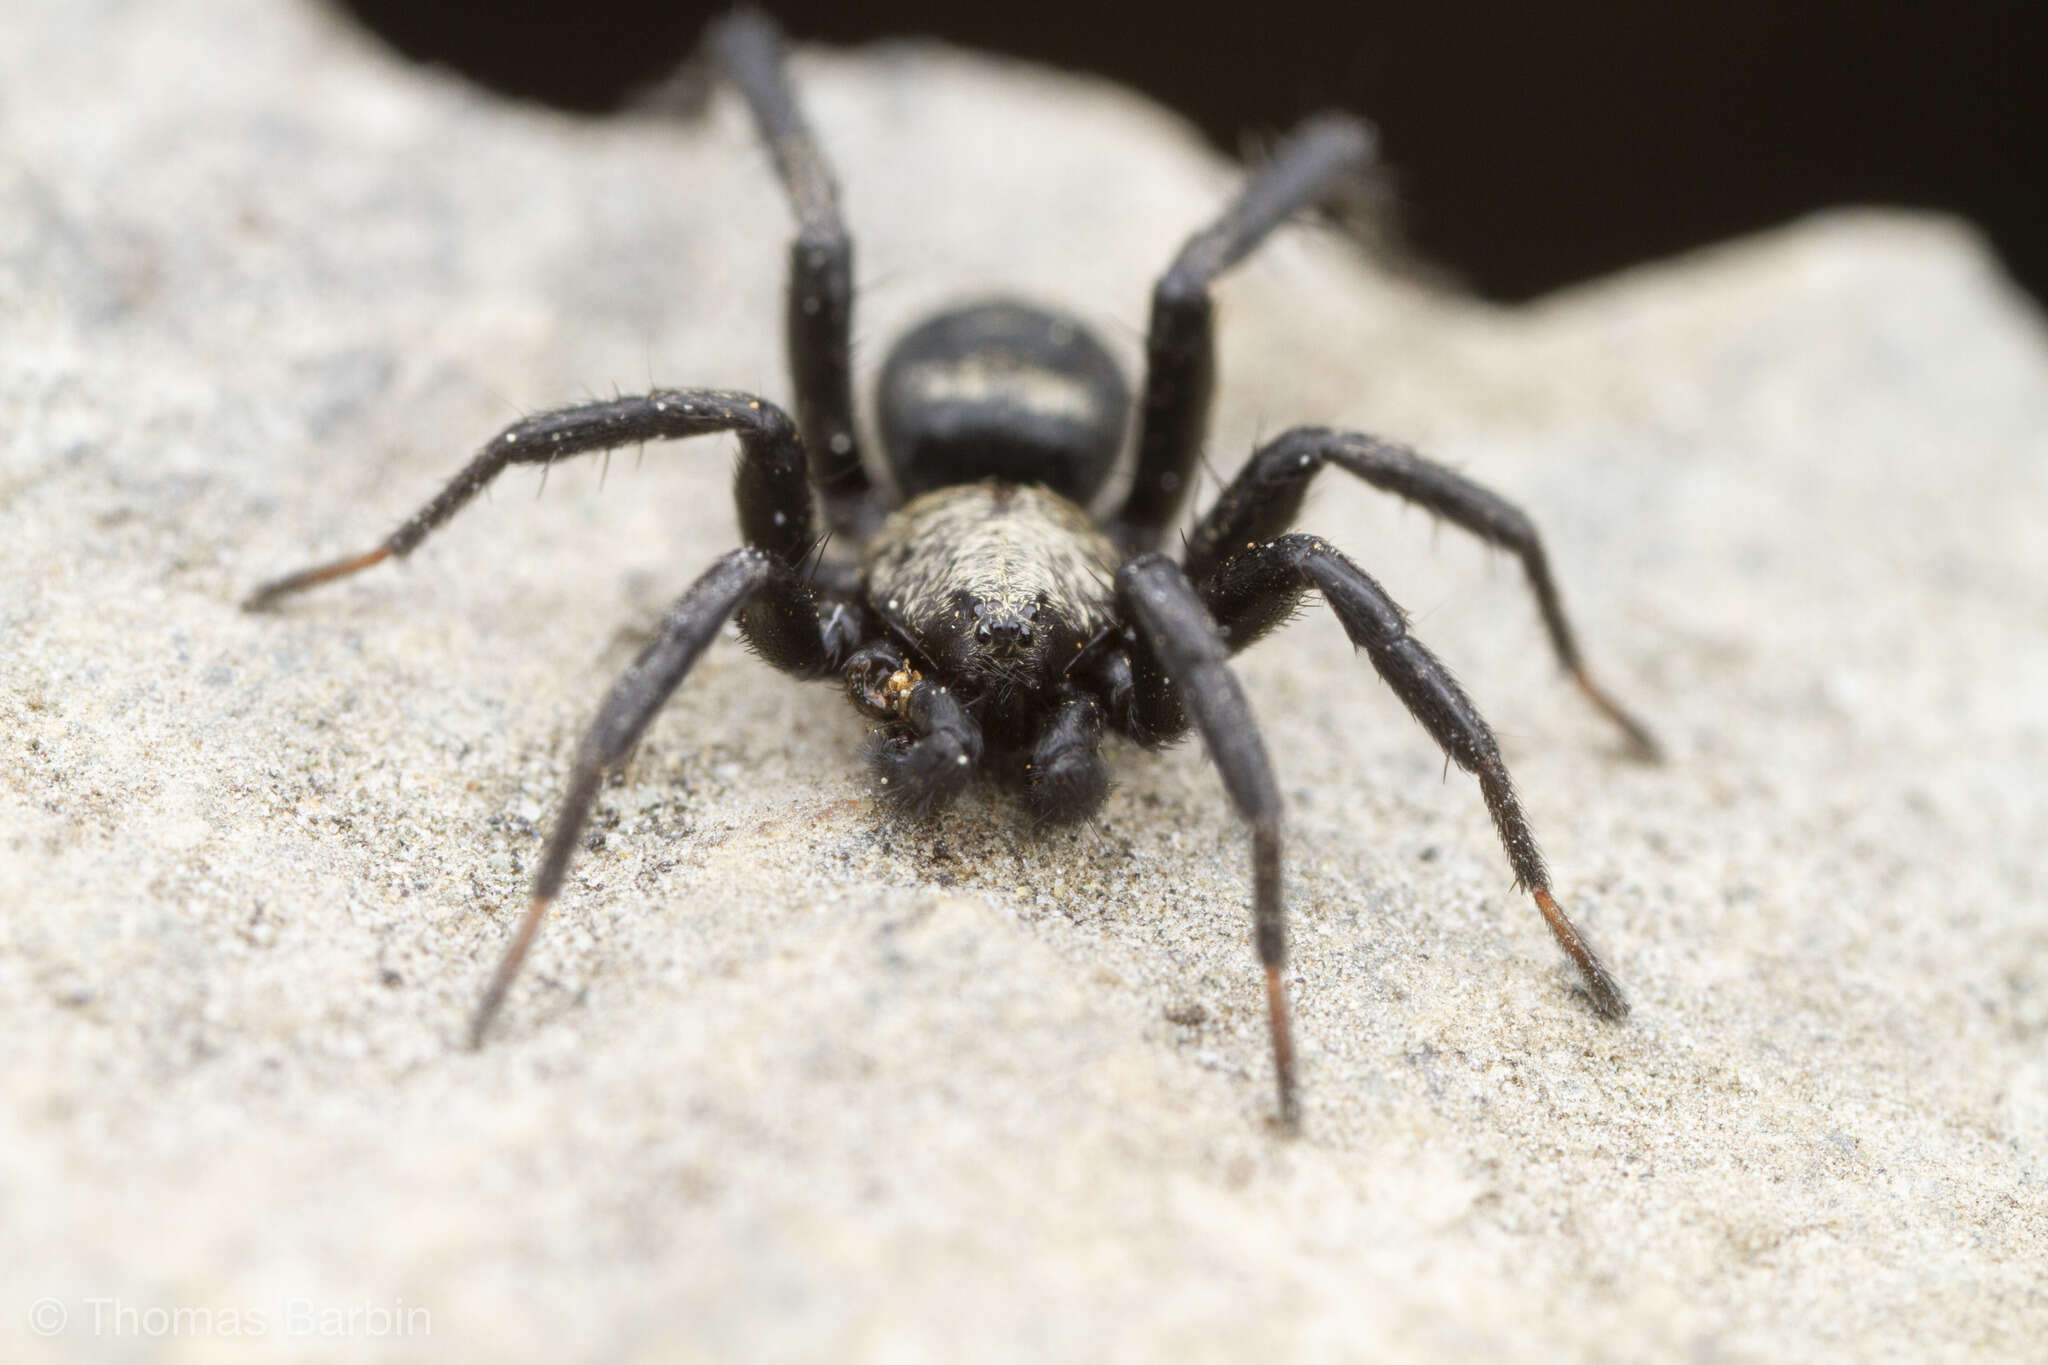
(1534, 143)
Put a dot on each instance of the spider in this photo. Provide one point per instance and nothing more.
(989, 624)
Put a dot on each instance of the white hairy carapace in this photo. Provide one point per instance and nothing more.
(1003, 571)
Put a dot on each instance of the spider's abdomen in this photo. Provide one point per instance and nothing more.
(1005, 391)
(1000, 584)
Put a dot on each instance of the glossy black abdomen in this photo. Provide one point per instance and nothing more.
(1006, 391)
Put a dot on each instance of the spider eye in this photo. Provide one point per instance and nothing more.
(1003, 626)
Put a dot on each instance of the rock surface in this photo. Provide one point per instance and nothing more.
(788, 1079)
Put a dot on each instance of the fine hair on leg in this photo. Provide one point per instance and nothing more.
(1183, 643)
(748, 48)
(1314, 162)
(1265, 498)
(743, 581)
(769, 485)
(1262, 586)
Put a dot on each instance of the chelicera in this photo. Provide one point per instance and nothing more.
(988, 623)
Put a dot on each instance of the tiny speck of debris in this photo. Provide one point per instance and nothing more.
(1187, 1013)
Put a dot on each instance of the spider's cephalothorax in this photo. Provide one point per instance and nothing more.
(989, 624)
(997, 585)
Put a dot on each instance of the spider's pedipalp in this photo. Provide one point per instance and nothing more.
(1065, 781)
(925, 760)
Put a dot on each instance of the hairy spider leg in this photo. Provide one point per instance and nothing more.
(748, 47)
(780, 616)
(1317, 159)
(1266, 496)
(1181, 673)
(769, 483)
(1260, 589)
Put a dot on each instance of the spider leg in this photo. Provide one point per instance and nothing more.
(1261, 587)
(769, 485)
(1180, 648)
(1263, 500)
(1065, 780)
(773, 604)
(748, 46)
(1310, 164)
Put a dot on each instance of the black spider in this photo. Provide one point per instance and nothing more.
(989, 623)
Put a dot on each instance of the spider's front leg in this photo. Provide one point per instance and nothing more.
(1265, 497)
(779, 616)
(1261, 587)
(759, 586)
(769, 486)
(1181, 673)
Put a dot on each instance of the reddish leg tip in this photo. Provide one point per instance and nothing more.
(1602, 989)
(1642, 744)
(1279, 1023)
(277, 588)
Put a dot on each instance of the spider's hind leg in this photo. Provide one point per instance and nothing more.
(818, 325)
(1260, 588)
(1312, 163)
